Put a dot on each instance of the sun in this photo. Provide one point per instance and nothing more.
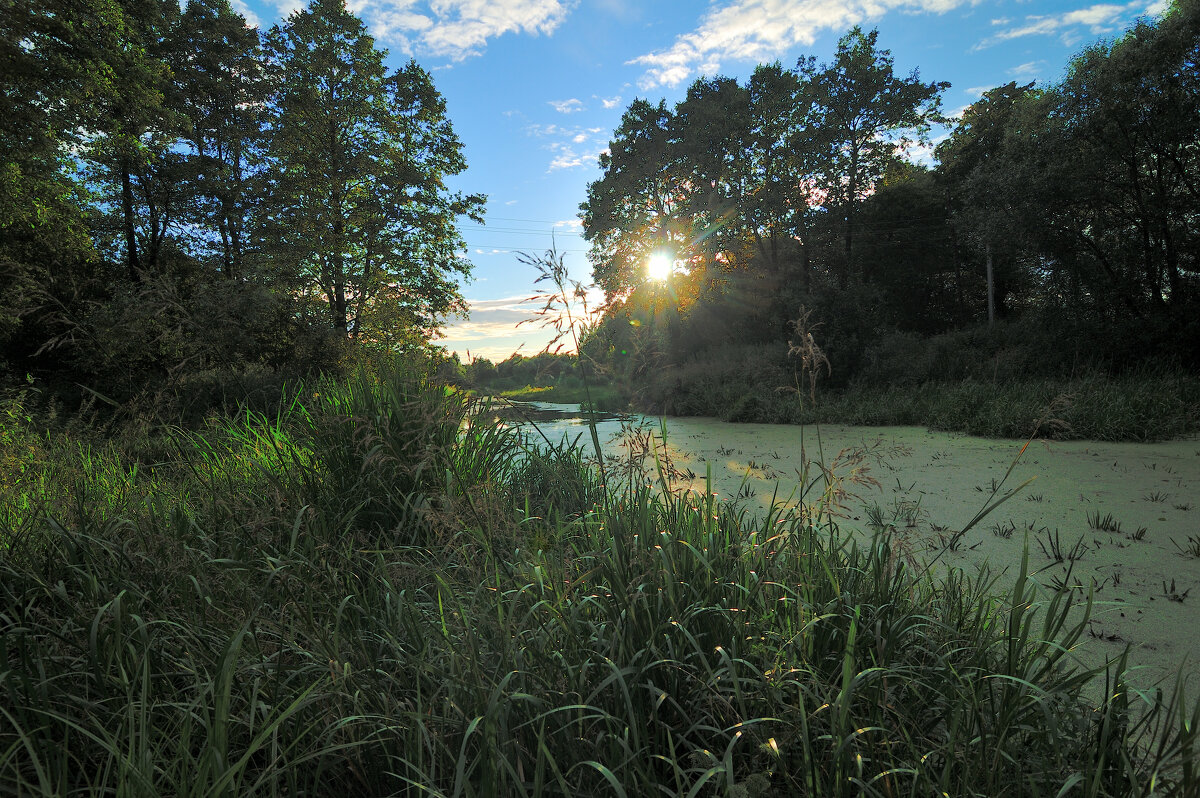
(659, 266)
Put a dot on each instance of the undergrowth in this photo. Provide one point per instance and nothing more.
(374, 592)
(1140, 407)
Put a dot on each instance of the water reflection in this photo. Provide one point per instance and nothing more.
(541, 413)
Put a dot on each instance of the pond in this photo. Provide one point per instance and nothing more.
(1124, 517)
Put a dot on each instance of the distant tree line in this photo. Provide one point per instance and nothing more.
(184, 199)
(1072, 208)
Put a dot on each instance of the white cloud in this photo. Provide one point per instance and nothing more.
(545, 130)
(251, 18)
(760, 30)
(569, 158)
(455, 29)
(492, 330)
(572, 146)
(570, 106)
(492, 318)
(1097, 19)
(288, 7)
(1027, 70)
(570, 224)
(612, 102)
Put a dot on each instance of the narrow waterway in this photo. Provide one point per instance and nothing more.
(1123, 517)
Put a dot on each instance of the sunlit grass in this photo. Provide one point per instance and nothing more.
(377, 592)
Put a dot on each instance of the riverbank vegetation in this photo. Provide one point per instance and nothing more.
(1046, 246)
(246, 548)
(368, 592)
(193, 212)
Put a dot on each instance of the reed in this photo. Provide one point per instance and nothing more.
(377, 592)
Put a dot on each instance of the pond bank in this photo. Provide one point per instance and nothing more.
(1124, 517)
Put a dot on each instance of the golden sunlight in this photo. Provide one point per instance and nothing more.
(659, 266)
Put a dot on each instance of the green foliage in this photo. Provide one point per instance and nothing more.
(167, 216)
(868, 116)
(1068, 211)
(375, 234)
(480, 618)
(222, 86)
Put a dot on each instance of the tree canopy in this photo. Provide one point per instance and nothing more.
(1070, 204)
(183, 195)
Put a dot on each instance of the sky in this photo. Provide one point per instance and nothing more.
(535, 88)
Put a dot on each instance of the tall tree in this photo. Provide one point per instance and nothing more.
(56, 75)
(869, 116)
(782, 161)
(983, 198)
(358, 202)
(222, 87)
(1131, 110)
(636, 206)
(133, 148)
(712, 129)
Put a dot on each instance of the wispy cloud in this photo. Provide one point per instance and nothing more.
(456, 29)
(1096, 19)
(492, 331)
(572, 147)
(287, 7)
(609, 102)
(759, 30)
(494, 317)
(570, 106)
(1029, 69)
(567, 157)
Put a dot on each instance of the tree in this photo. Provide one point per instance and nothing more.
(782, 161)
(217, 61)
(56, 75)
(635, 207)
(1131, 110)
(1093, 183)
(723, 181)
(868, 117)
(359, 210)
(906, 240)
(982, 196)
(133, 149)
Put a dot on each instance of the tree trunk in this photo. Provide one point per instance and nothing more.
(851, 198)
(131, 249)
(991, 288)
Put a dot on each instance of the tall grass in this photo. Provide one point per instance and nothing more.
(376, 593)
(745, 388)
(948, 387)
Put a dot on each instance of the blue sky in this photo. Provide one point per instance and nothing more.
(535, 88)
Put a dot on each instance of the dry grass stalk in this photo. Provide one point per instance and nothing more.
(805, 347)
(647, 456)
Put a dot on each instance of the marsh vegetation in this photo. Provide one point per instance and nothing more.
(256, 540)
(367, 592)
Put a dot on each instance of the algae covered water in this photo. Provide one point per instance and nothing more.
(1119, 519)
